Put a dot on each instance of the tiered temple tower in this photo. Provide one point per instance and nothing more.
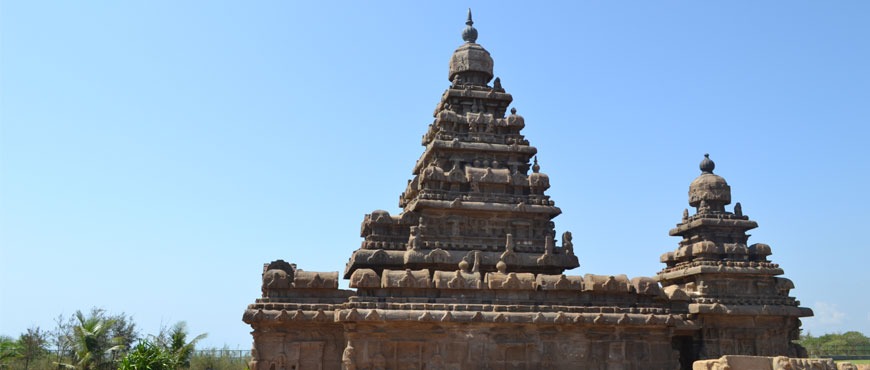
(472, 192)
(736, 296)
(469, 276)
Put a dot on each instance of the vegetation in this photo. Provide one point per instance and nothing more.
(176, 344)
(147, 356)
(9, 350)
(102, 341)
(32, 345)
(856, 362)
(851, 343)
(92, 341)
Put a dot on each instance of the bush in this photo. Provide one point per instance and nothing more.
(147, 356)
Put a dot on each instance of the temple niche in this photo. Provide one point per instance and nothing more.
(470, 273)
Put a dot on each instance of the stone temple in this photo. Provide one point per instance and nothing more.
(469, 275)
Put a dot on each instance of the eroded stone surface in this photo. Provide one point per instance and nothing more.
(733, 362)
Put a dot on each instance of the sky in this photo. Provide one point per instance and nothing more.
(153, 155)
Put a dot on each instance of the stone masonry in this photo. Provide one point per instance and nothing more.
(469, 275)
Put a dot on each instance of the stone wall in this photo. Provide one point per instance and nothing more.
(773, 363)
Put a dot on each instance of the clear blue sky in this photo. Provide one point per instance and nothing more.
(153, 155)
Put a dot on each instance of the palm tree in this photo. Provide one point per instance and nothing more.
(9, 350)
(178, 346)
(89, 341)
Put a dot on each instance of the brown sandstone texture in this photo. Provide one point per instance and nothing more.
(732, 362)
(470, 274)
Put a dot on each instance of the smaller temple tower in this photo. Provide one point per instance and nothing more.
(736, 295)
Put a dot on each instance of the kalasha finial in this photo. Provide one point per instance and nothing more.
(469, 34)
(707, 165)
(536, 168)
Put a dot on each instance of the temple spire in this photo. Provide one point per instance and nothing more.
(707, 165)
(469, 34)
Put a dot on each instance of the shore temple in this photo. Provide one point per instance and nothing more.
(470, 273)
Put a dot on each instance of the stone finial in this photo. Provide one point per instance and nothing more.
(469, 34)
(501, 267)
(463, 266)
(707, 164)
(535, 167)
(709, 193)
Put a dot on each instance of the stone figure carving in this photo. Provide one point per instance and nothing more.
(558, 282)
(353, 315)
(276, 279)
(277, 275)
(407, 281)
(412, 239)
(783, 286)
(547, 257)
(379, 362)
(348, 360)
(255, 357)
(438, 255)
(373, 315)
(457, 281)
(738, 209)
(378, 257)
(316, 282)
(365, 278)
(685, 214)
(567, 243)
(448, 317)
(512, 281)
(563, 283)
(435, 363)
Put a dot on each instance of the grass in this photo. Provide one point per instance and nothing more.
(856, 362)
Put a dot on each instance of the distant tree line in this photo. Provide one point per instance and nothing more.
(98, 340)
(850, 343)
